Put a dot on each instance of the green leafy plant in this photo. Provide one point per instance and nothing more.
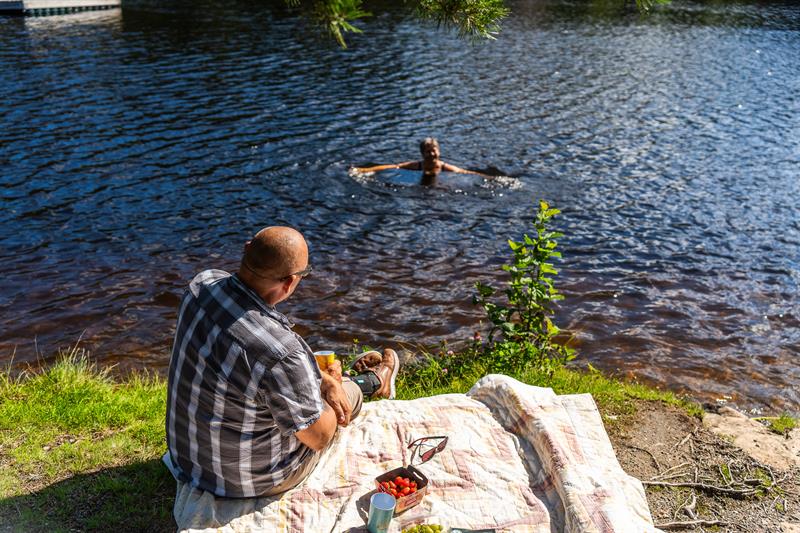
(524, 322)
(353, 353)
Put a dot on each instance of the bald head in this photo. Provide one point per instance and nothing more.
(276, 252)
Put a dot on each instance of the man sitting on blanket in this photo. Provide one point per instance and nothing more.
(248, 409)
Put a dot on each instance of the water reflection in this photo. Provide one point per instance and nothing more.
(139, 150)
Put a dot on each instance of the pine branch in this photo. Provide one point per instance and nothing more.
(471, 18)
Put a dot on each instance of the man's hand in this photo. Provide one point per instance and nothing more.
(334, 370)
(333, 394)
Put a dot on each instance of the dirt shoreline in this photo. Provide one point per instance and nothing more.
(708, 483)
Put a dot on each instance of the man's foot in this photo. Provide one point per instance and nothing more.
(367, 361)
(384, 367)
(387, 372)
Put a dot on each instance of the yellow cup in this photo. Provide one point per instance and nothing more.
(324, 358)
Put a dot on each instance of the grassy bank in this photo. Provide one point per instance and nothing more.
(81, 451)
(614, 397)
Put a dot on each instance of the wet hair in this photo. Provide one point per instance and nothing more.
(428, 141)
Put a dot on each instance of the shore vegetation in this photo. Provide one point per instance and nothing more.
(523, 341)
(781, 424)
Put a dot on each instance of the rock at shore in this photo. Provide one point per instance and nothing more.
(779, 452)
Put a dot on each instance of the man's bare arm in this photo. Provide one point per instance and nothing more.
(408, 165)
(452, 168)
(320, 433)
(337, 410)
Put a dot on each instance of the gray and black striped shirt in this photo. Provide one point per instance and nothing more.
(241, 383)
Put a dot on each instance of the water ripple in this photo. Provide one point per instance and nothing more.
(140, 147)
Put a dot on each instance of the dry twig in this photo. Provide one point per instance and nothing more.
(704, 486)
(662, 477)
(648, 452)
(663, 474)
(689, 509)
(691, 523)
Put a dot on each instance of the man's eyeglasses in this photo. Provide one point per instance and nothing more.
(432, 449)
(302, 273)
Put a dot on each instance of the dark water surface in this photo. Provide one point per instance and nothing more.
(140, 147)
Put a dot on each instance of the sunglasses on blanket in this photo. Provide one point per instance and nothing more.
(432, 449)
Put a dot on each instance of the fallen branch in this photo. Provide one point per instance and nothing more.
(703, 486)
(663, 475)
(671, 476)
(691, 523)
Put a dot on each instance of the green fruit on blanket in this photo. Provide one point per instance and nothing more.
(424, 528)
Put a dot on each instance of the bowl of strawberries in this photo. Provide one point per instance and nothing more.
(407, 483)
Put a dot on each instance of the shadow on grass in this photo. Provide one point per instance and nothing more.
(134, 497)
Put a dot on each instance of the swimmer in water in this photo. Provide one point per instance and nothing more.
(430, 165)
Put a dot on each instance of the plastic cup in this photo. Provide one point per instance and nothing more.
(324, 358)
(381, 510)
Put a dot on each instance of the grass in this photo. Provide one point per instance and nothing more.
(81, 451)
(614, 397)
(782, 424)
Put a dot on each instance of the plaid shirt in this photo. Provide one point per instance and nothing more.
(241, 383)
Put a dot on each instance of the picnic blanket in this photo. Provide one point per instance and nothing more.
(519, 459)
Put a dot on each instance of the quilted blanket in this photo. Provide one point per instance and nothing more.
(519, 459)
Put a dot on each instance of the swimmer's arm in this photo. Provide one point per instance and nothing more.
(452, 168)
(408, 165)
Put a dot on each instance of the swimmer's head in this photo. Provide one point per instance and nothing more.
(429, 148)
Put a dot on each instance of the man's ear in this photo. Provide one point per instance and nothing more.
(287, 284)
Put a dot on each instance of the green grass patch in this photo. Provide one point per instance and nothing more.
(782, 424)
(613, 396)
(725, 472)
(74, 418)
(79, 450)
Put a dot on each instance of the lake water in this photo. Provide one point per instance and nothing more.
(141, 146)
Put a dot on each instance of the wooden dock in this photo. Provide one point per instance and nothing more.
(54, 7)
